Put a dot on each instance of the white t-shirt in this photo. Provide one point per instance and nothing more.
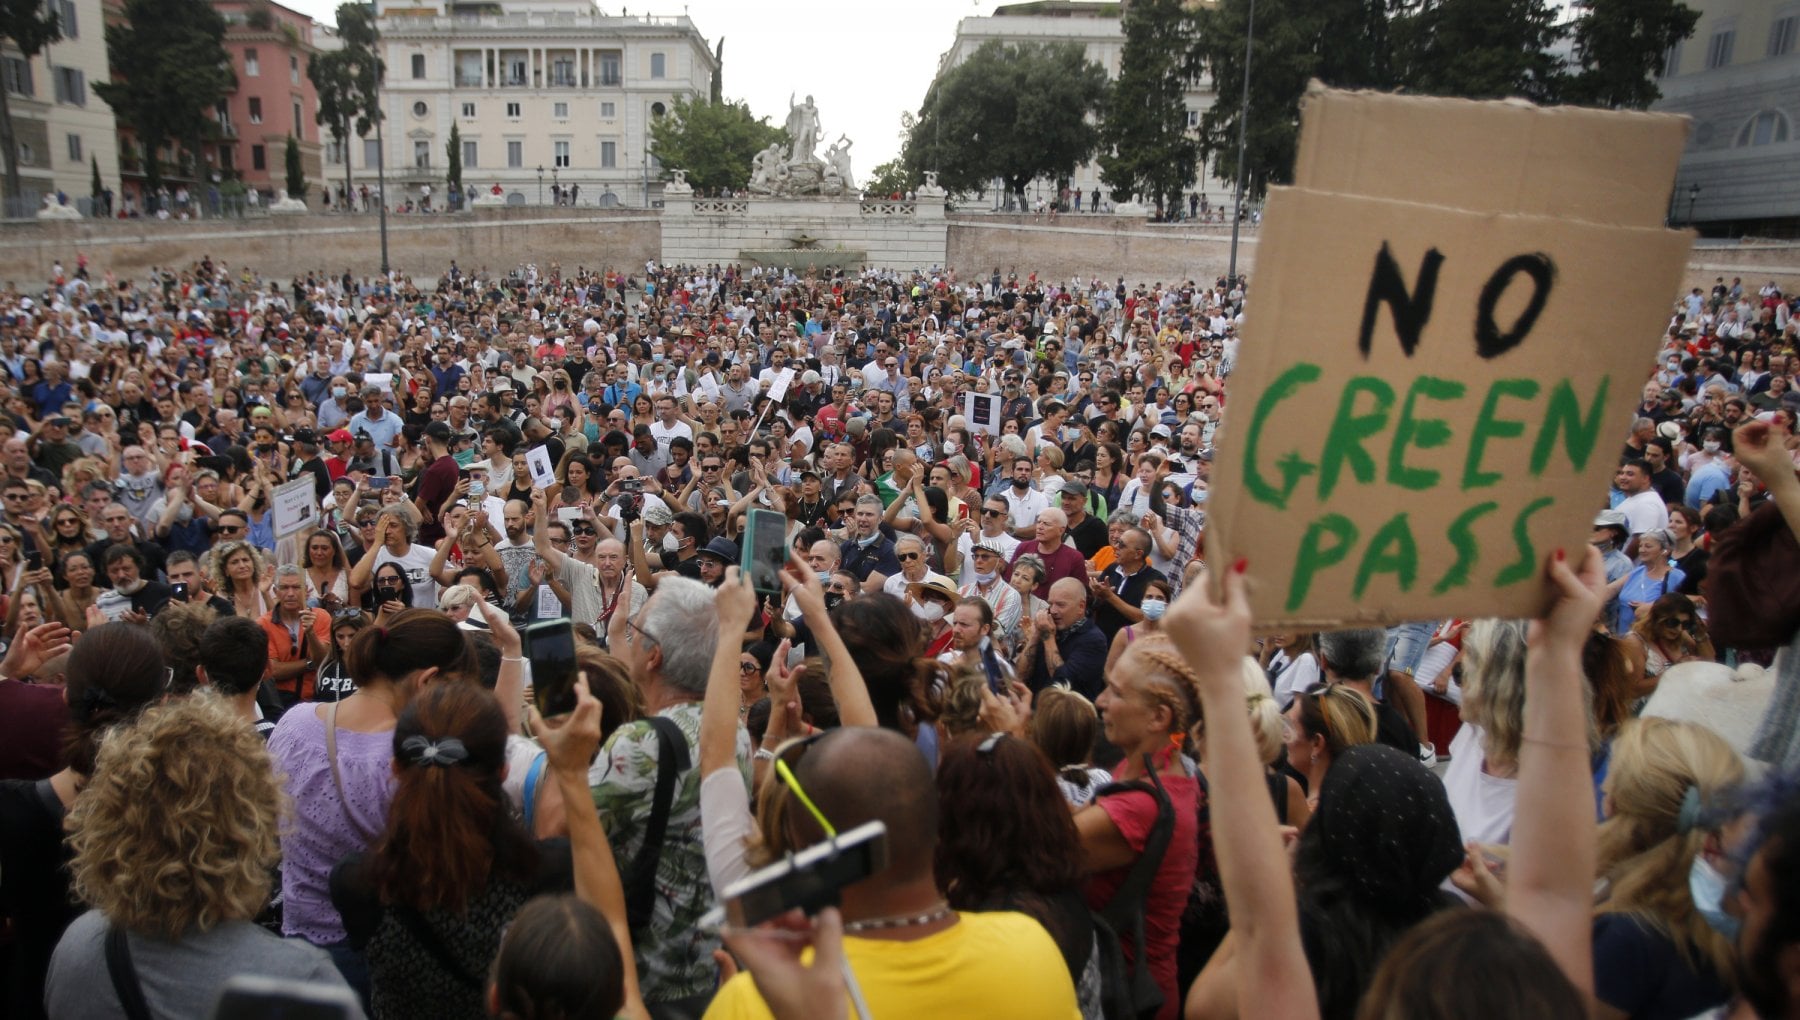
(663, 433)
(1025, 506)
(1645, 512)
(1294, 676)
(1483, 803)
(896, 585)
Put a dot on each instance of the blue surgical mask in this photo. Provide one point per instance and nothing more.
(987, 578)
(338, 392)
(1707, 887)
(1154, 608)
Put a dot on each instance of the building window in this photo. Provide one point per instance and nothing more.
(75, 149)
(1718, 49)
(71, 85)
(66, 21)
(1782, 35)
(658, 109)
(334, 152)
(562, 72)
(658, 64)
(608, 111)
(26, 156)
(562, 154)
(469, 152)
(1769, 127)
(1671, 64)
(259, 158)
(421, 154)
(468, 111)
(420, 109)
(252, 66)
(371, 153)
(18, 76)
(256, 109)
(609, 67)
(609, 155)
(298, 133)
(515, 155)
(418, 66)
(515, 71)
(1193, 120)
(512, 111)
(560, 110)
(228, 157)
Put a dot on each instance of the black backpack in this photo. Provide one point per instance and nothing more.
(1130, 991)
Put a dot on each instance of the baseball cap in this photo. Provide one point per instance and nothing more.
(1075, 487)
(1160, 430)
(305, 435)
(1612, 519)
(340, 436)
(722, 549)
(658, 515)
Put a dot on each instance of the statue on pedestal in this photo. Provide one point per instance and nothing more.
(797, 170)
(803, 128)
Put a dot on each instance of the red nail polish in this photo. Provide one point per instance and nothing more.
(1559, 556)
(1241, 565)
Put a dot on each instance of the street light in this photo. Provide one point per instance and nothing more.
(556, 183)
(540, 184)
(1693, 196)
(1237, 200)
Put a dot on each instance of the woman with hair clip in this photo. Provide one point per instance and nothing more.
(1065, 725)
(339, 762)
(1146, 708)
(1322, 724)
(428, 901)
(116, 671)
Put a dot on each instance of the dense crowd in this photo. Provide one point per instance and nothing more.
(233, 749)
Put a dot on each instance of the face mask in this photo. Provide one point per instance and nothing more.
(338, 392)
(833, 600)
(671, 543)
(1154, 608)
(656, 358)
(824, 577)
(1707, 887)
(1710, 446)
(952, 449)
(930, 612)
(987, 578)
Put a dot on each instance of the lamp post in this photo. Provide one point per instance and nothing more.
(1237, 199)
(1693, 196)
(556, 183)
(381, 168)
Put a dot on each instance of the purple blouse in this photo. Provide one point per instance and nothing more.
(324, 829)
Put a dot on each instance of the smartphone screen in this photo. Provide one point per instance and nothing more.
(34, 560)
(765, 550)
(178, 592)
(962, 512)
(379, 483)
(551, 647)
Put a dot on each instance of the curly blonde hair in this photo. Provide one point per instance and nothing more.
(217, 557)
(176, 830)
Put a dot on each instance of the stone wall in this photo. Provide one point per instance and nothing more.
(891, 234)
(281, 247)
(1089, 246)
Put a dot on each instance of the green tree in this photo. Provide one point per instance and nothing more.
(1013, 111)
(333, 76)
(170, 70)
(1478, 49)
(453, 160)
(1145, 147)
(95, 186)
(1620, 46)
(713, 142)
(888, 178)
(296, 177)
(29, 25)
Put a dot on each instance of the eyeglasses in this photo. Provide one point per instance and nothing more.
(988, 511)
(644, 636)
(232, 529)
(749, 668)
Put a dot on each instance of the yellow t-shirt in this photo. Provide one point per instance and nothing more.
(985, 965)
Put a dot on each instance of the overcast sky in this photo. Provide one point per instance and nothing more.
(863, 68)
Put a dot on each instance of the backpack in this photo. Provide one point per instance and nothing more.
(1129, 991)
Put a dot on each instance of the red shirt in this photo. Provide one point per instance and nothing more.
(1066, 561)
(32, 717)
(435, 486)
(1134, 813)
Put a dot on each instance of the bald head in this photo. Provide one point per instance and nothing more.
(858, 774)
(1068, 602)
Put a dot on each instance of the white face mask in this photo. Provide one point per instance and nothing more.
(987, 578)
(1710, 446)
(670, 542)
(930, 612)
(1154, 608)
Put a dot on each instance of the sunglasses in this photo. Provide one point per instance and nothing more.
(903, 557)
(749, 668)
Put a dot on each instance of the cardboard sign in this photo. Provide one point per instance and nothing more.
(296, 506)
(778, 389)
(1455, 309)
(543, 473)
(982, 412)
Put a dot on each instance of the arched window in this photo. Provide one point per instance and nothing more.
(657, 110)
(1769, 127)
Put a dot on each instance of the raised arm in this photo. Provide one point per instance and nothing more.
(1758, 448)
(1271, 971)
(847, 688)
(540, 532)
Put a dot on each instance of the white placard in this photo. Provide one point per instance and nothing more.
(296, 506)
(549, 607)
(543, 473)
(383, 381)
(570, 515)
(779, 388)
(982, 412)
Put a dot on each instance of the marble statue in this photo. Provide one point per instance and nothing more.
(797, 170)
(837, 156)
(803, 129)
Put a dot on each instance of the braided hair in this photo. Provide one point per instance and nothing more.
(1170, 680)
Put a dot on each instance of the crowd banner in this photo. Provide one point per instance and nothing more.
(1457, 304)
(982, 412)
(296, 506)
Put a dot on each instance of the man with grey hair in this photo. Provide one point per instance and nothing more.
(298, 636)
(396, 530)
(868, 553)
(1355, 659)
(668, 650)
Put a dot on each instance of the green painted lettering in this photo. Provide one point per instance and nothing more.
(1580, 432)
(1349, 428)
(1293, 468)
(1466, 551)
(1424, 433)
(1526, 565)
(1391, 551)
(1315, 556)
(1488, 426)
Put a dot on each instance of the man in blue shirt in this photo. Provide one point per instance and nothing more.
(382, 425)
(50, 392)
(1707, 479)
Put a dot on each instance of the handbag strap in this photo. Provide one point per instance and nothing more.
(1128, 900)
(124, 975)
(532, 776)
(337, 776)
(671, 759)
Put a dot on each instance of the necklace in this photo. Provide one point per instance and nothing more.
(935, 914)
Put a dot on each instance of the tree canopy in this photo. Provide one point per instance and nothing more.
(29, 25)
(1146, 148)
(713, 142)
(170, 70)
(1013, 111)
